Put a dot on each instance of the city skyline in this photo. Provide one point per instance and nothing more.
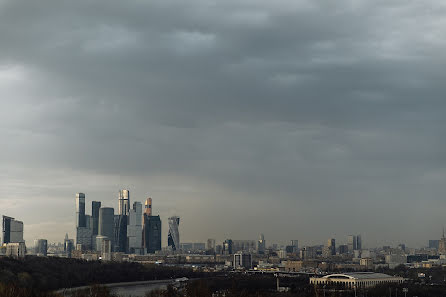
(279, 115)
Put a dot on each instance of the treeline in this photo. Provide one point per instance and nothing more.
(52, 273)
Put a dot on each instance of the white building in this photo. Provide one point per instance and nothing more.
(355, 280)
(16, 250)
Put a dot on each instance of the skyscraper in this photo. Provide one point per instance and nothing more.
(151, 229)
(152, 234)
(331, 246)
(12, 231)
(80, 210)
(148, 206)
(106, 223)
(134, 229)
(124, 202)
(95, 206)
(173, 238)
(261, 244)
(354, 243)
(41, 247)
(120, 233)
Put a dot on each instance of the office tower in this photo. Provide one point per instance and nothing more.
(134, 229)
(210, 246)
(227, 247)
(80, 210)
(68, 246)
(106, 223)
(124, 202)
(295, 245)
(148, 206)
(261, 244)
(242, 260)
(442, 244)
(331, 245)
(244, 246)
(358, 242)
(434, 244)
(120, 233)
(84, 238)
(12, 230)
(354, 243)
(173, 238)
(95, 206)
(343, 249)
(41, 247)
(152, 234)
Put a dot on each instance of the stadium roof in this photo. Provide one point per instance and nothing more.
(358, 275)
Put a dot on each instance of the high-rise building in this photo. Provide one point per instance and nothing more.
(261, 244)
(120, 233)
(80, 210)
(354, 243)
(242, 260)
(12, 231)
(95, 206)
(244, 246)
(106, 223)
(124, 202)
(442, 244)
(295, 245)
(41, 247)
(173, 238)
(434, 244)
(68, 246)
(134, 229)
(148, 206)
(210, 245)
(227, 247)
(331, 245)
(152, 234)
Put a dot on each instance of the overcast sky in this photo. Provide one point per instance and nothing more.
(299, 119)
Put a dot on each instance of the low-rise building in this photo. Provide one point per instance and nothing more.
(355, 280)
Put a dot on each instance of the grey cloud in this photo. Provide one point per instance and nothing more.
(305, 102)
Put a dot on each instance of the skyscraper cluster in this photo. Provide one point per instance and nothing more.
(128, 231)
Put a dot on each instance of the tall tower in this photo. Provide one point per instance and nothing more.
(173, 238)
(95, 206)
(80, 210)
(148, 207)
(124, 202)
(106, 222)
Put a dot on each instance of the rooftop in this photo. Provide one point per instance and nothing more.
(358, 275)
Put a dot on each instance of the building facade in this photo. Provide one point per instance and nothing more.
(123, 202)
(173, 237)
(134, 229)
(355, 280)
(12, 230)
(151, 234)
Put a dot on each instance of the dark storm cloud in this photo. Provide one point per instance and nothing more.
(316, 105)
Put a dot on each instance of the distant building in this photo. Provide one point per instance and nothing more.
(308, 252)
(354, 243)
(80, 210)
(261, 244)
(120, 233)
(12, 231)
(134, 229)
(68, 246)
(106, 223)
(343, 249)
(95, 206)
(356, 280)
(227, 247)
(331, 245)
(295, 244)
(242, 260)
(442, 245)
(244, 246)
(16, 250)
(148, 207)
(211, 245)
(173, 237)
(41, 247)
(124, 202)
(151, 234)
(434, 244)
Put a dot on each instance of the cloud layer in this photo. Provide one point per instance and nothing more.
(297, 119)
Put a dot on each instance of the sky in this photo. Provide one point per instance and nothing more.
(298, 119)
